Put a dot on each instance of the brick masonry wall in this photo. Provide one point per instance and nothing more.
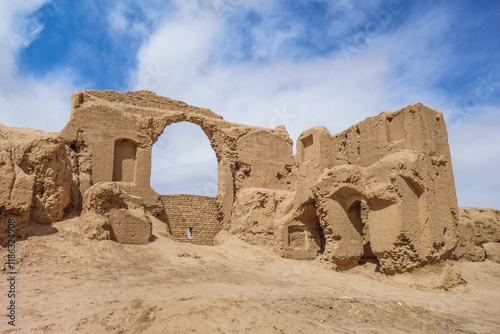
(198, 213)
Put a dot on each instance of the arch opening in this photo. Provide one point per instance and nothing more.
(183, 162)
(184, 171)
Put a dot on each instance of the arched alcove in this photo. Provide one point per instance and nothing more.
(183, 162)
(356, 214)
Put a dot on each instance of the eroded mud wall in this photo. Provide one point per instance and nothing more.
(405, 152)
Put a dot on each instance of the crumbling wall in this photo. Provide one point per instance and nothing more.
(101, 122)
(381, 189)
(264, 184)
(51, 163)
(478, 235)
(406, 152)
(299, 234)
(265, 160)
(192, 218)
(361, 211)
(38, 182)
(256, 214)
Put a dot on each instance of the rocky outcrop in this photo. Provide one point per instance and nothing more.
(478, 231)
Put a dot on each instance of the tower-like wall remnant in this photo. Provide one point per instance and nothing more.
(392, 182)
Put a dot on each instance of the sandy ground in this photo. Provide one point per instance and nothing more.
(67, 284)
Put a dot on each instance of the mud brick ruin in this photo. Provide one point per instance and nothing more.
(381, 190)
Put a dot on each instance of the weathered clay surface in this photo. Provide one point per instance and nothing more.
(492, 251)
(255, 214)
(476, 227)
(374, 211)
(95, 226)
(445, 276)
(119, 148)
(38, 178)
(110, 213)
(382, 190)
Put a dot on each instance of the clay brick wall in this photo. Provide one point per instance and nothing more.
(193, 212)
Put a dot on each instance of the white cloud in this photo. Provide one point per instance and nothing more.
(15, 30)
(387, 73)
(117, 19)
(26, 102)
(252, 92)
(124, 20)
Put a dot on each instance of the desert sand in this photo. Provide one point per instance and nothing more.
(69, 284)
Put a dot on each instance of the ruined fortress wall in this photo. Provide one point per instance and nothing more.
(113, 133)
(37, 179)
(383, 188)
(414, 127)
(314, 153)
(198, 214)
(408, 150)
(110, 143)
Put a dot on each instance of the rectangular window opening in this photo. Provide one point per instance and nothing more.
(307, 149)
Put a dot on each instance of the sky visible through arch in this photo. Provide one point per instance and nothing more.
(183, 161)
(266, 63)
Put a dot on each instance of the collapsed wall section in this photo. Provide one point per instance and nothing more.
(191, 218)
(478, 235)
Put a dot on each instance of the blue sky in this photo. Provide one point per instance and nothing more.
(297, 63)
